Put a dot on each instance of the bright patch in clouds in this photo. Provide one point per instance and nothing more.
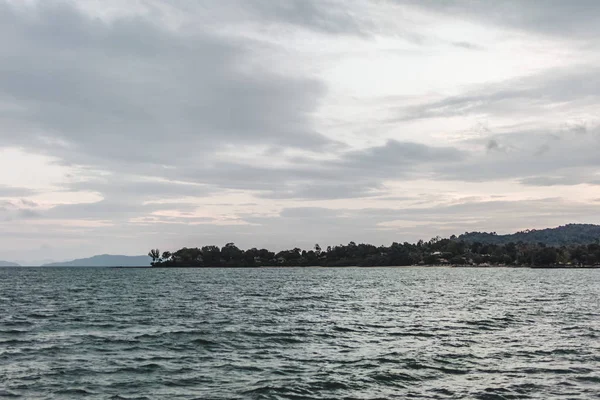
(29, 170)
(170, 123)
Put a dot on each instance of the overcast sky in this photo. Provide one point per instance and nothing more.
(126, 125)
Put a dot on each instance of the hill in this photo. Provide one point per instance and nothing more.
(571, 234)
(105, 260)
(8, 264)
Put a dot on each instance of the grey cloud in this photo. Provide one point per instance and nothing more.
(18, 210)
(493, 145)
(574, 19)
(309, 212)
(524, 153)
(27, 213)
(131, 92)
(126, 197)
(518, 96)
(10, 191)
(532, 157)
(128, 96)
(141, 189)
(324, 16)
(479, 211)
(578, 128)
(232, 175)
(359, 173)
(467, 45)
(305, 226)
(546, 181)
(544, 148)
(396, 154)
(575, 178)
(330, 16)
(28, 203)
(325, 191)
(154, 106)
(356, 173)
(365, 225)
(5, 204)
(102, 210)
(112, 209)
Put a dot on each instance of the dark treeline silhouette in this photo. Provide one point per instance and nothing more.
(570, 234)
(437, 251)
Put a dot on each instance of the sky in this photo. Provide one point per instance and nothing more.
(126, 126)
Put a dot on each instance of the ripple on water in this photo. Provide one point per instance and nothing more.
(315, 333)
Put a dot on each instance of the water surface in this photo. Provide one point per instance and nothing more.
(313, 333)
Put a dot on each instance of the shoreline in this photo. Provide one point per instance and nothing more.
(323, 266)
(356, 266)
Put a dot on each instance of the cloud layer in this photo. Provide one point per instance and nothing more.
(176, 123)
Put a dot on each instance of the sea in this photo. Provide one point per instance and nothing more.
(299, 333)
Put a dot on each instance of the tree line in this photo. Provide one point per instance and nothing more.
(436, 251)
(566, 235)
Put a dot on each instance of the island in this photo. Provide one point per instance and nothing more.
(569, 246)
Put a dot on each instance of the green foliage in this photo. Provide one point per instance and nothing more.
(155, 255)
(437, 251)
(562, 236)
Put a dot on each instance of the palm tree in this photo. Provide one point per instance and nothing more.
(155, 255)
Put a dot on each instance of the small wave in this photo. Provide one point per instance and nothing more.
(414, 334)
(558, 371)
(22, 323)
(75, 392)
(445, 370)
(278, 338)
(344, 329)
(203, 342)
(8, 394)
(113, 340)
(142, 368)
(486, 324)
(327, 384)
(496, 394)
(556, 352)
(37, 315)
(13, 342)
(590, 379)
(444, 391)
(289, 392)
(183, 382)
(171, 335)
(367, 338)
(394, 377)
(13, 332)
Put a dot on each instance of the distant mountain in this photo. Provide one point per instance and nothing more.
(34, 263)
(8, 264)
(37, 263)
(105, 260)
(563, 235)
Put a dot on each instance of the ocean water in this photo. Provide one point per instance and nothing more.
(313, 333)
